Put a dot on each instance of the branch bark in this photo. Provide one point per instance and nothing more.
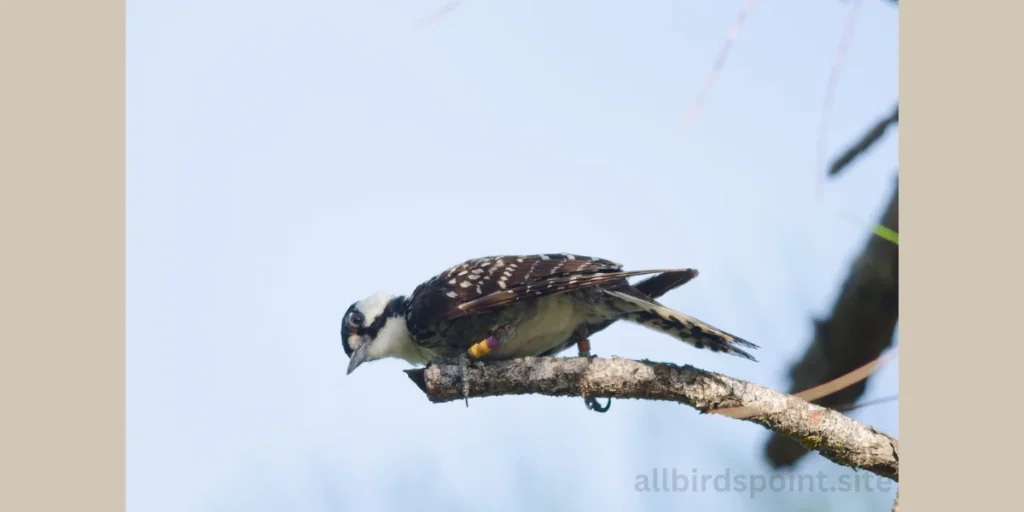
(837, 437)
(860, 327)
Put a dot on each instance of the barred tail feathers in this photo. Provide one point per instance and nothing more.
(684, 327)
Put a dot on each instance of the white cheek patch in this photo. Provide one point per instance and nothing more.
(354, 341)
(391, 341)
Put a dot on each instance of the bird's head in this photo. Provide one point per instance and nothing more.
(375, 328)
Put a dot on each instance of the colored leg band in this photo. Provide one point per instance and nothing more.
(484, 347)
(584, 346)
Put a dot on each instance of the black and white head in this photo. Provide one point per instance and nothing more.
(375, 328)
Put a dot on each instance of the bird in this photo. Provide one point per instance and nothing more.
(512, 306)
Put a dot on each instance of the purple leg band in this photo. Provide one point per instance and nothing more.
(492, 343)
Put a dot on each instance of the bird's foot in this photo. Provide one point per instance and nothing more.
(584, 350)
(462, 361)
(481, 349)
(593, 405)
(464, 375)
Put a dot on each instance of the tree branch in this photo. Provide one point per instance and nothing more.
(837, 437)
(859, 328)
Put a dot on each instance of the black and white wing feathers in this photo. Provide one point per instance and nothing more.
(483, 284)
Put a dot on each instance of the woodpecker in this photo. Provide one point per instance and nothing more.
(506, 307)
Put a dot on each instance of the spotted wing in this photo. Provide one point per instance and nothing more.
(489, 278)
(548, 287)
(524, 277)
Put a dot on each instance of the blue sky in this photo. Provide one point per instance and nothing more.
(286, 159)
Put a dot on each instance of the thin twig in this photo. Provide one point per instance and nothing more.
(857, 405)
(873, 135)
(443, 11)
(716, 69)
(833, 81)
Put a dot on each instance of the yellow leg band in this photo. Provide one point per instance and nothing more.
(479, 350)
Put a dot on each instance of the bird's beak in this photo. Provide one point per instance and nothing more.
(358, 356)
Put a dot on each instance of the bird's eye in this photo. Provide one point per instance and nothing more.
(356, 318)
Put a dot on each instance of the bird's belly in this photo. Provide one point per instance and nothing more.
(554, 320)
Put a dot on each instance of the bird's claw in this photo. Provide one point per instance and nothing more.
(593, 405)
(464, 375)
(462, 361)
(584, 351)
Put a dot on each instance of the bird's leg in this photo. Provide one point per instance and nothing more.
(491, 343)
(464, 373)
(583, 345)
(462, 360)
(480, 349)
(582, 337)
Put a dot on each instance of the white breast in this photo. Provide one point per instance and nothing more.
(554, 322)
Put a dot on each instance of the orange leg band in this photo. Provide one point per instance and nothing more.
(584, 347)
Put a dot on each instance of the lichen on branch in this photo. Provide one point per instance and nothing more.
(834, 435)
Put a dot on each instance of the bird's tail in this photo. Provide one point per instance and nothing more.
(683, 327)
(660, 284)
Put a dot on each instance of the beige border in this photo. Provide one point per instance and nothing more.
(62, 221)
(959, 333)
(62, 295)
